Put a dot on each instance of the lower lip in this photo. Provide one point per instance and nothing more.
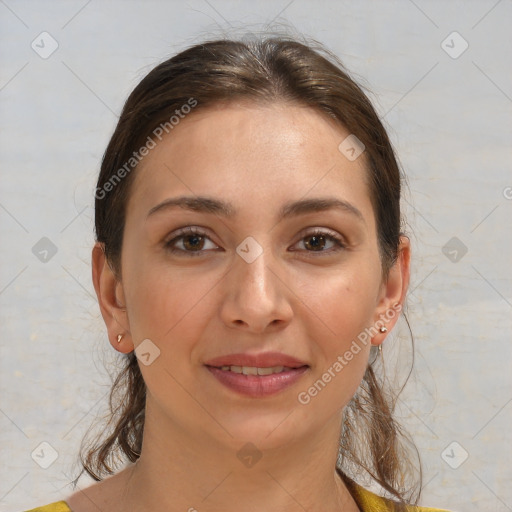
(258, 386)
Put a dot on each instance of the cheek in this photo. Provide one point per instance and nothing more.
(338, 310)
(165, 301)
(172, 309)
(342, 301)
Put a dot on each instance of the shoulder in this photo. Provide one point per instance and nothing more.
(369, 502)
(59, 506)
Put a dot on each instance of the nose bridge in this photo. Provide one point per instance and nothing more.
(254, 279)
(254, 276)
(255, 296)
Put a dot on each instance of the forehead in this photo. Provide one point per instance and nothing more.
(256, 154)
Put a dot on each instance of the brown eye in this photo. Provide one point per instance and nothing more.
(315, 242)
(321, 242)
(190, 242)
(193, 242)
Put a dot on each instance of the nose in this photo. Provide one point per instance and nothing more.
(256, 298)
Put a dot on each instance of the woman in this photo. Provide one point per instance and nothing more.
(249, 262)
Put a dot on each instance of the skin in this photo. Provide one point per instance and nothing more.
(291, 299)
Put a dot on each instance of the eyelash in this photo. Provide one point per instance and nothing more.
(192, 231)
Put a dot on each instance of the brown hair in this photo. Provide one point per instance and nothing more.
(262, 70)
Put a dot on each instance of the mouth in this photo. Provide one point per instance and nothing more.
(254, 370)
(257, 376)
(263, 361)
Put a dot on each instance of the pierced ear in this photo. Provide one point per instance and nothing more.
(393, 293)
(110, 293)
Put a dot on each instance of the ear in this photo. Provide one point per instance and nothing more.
(393, 292)
(109, 290)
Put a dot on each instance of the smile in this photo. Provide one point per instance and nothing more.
(257, 382)
(253, 370)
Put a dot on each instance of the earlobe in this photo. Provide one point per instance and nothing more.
(109, 291)
(394, 292)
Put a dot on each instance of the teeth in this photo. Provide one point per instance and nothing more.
(252, 370)
(269, 371)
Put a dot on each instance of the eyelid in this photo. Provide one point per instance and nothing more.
(187, 230)
(183, 232)
(330, 234)
(322, 231)
(334, 236)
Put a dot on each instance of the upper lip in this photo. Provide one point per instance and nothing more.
(264, 360)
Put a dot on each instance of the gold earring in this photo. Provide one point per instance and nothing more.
(383, 329)
(119, 338)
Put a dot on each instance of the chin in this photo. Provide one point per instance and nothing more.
(266, 429)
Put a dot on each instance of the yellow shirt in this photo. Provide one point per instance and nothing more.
(366, 501)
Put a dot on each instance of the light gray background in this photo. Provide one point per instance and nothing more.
(450, 119)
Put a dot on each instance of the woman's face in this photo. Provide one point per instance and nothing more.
(283, 259)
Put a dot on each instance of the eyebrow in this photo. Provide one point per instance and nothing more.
(225, 209)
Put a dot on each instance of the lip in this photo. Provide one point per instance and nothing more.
(263, 360)
(257, 386)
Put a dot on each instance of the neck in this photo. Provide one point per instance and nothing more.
(183, 471)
